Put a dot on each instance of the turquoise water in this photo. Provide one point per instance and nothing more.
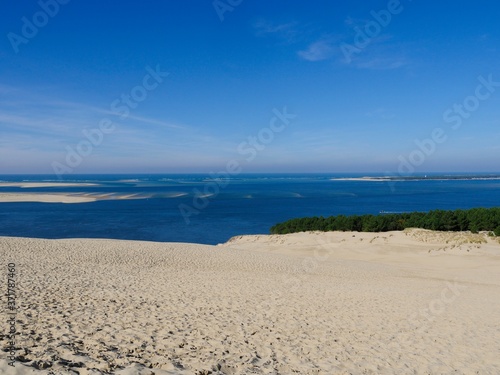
(215, 210)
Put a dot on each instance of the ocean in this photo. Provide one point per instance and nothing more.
(198, 208)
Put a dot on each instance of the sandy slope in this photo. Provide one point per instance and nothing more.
(332, 303)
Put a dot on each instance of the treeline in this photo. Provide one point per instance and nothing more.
(474, 220)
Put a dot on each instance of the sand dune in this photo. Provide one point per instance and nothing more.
(416, 302)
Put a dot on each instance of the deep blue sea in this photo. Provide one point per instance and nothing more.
(220, 209)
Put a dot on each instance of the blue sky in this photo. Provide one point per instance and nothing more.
(230, 68)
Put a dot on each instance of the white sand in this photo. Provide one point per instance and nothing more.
(44, 184)
(45, 198)
(416, 302)
(66, 197)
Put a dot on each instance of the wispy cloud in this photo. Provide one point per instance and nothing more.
(50, 124)
(367, 51)
(264, 27)
(142, 119)
(82, 107)
(286, 33)
(380, 52)
(317, 51)
(37, 129)
(37, 124)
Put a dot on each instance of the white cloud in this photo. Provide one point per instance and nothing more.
(317, 51)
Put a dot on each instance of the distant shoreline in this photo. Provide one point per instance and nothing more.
(416, 178)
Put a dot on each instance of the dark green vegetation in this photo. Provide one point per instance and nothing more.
(474, 220)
